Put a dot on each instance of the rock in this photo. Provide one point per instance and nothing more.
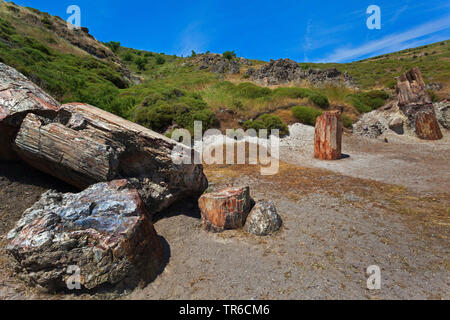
(396, 125)
(225, 209)
(328, 136)
(217, 64)
(427, 126)
(18, 97)
(105, 231)
(263, 219)
(442, 110)
(285, 70)
(83, 145)
(416, 103)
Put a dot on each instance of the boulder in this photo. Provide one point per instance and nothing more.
(84, 145)
(263, 219)
(19, 97)
(328, 136)
(104, 231)
(396, 125)
(225, 209)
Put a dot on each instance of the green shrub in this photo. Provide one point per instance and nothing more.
(250, 91)
(319, 99)
(368, 101)
(113, 45)
(128, 57)
(306, 115)
(433, 95)
(140, 63)
(292, 92)
(160, 60)
(269, 122)
(348, 123)
(229, 55)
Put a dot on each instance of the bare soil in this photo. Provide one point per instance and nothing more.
(388, 204)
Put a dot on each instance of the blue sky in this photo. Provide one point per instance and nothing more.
(303, 30)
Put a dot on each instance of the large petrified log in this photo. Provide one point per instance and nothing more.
(103, 232)
(18, 97)
(415, 102)
(328, 136)
(83, 145)
(225, 209)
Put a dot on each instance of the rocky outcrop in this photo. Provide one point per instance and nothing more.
(217, 64)
(225, 209)
(83, 145)
(415, 102)
(285, 70)
(263, 219)
(328, 136)
(104, 232)
(19, 97)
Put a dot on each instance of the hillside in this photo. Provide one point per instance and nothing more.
(163, 92)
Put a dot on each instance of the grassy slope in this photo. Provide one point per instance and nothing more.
(175, 91)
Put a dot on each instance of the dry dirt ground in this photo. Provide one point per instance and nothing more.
(388, 204)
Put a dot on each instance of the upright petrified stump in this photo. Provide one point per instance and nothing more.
(225, 209)
(328, 136)
(416, 104)
(104, 231)
(427, 126)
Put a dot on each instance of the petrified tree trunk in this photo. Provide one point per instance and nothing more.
(416, 104)
(226, 209)
(104, 230)
(328, 136)
(18, 97)
(85, 145)
(427, 126)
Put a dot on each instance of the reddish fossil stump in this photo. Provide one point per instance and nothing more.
(328, 136)
(427, 126)
(226, 209)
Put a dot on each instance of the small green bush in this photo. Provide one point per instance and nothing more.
(269, 122)
(251, 91)
(229, 55)
(348, 123)
(319, 99)
(141, 63)
(368, 101)
(292, 92)
(128, 57)
(306, 115)
(160, 60)
(113, 45)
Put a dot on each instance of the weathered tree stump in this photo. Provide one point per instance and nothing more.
(328, 136)
(416, 104)
(427, 126)
(226, 209)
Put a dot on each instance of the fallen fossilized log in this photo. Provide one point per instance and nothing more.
(99, 237)
(328, 136)
(18, 97)
(416, 104)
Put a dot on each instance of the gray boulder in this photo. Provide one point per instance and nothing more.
(263, 219)
(104, 232)
(442, 110)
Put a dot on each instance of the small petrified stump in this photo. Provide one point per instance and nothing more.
(226, 209)
(263, 219)
(104, 231)
(427, 126)
(328, 136)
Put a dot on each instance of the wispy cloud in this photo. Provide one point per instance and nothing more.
(192, 38)
(391, 42)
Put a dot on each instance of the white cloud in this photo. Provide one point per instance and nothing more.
(390, 43)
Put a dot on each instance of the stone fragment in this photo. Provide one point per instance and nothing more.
(103, 232)
(225, 209)
(442, 110)
(263, 219)
(328, 136)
